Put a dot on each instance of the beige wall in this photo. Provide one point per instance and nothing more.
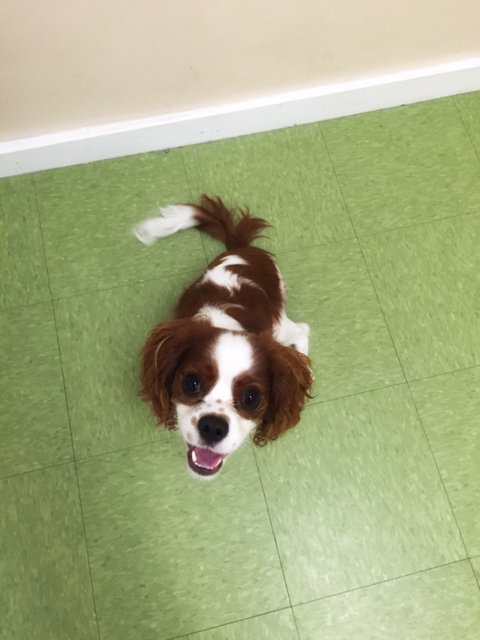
(71, 63)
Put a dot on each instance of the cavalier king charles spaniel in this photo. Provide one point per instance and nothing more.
(231, 362)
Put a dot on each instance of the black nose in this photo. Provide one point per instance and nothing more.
(212, 428)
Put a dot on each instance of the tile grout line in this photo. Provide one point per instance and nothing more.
(275, 540)
(333, 595)
(445, 373)
(35, 469)
(406, 381)
(314, 402)
(462, 120)
(68, 413)
(413, 225)
(380, 582)
(154, 441)
(194, 272)
(364, 259)
(28, 305)
(477, 153)
(321, 245)
(295, 622)
(409, 382)
(133, 283)
(393, 384)
(311, 403)
(476, 578)
(226, 624)
(81, 460)
(94, 456)
(438, 470)
(402, 368)
(185, 173)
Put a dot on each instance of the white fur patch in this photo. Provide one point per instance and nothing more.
(219, 318)
(171, 219)
(292, 334)
(233, 355)
(222, 277)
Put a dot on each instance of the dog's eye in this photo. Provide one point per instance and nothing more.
(251, 399)
(192, 384)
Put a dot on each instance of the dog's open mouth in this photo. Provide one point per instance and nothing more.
(205, 462)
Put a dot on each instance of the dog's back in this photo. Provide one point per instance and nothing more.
(242, 288)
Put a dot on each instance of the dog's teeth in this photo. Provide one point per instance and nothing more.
(194, 456)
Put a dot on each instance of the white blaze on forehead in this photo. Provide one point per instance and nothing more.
(233, 354)
(221, 276)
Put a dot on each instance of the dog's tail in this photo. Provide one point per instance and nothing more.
(234, 228)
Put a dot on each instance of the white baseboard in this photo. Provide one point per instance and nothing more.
(126, 138)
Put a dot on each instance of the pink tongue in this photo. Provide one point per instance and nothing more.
(206, 458)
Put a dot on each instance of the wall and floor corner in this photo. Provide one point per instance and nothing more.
(82, 83)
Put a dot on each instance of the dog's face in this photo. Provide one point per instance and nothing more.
(217, 387)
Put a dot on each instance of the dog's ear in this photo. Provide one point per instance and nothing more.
(163, 350)
(291, 379)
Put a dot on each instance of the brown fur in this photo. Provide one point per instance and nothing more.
(290, 381)
(235, 231)
(167, 344)
(174, 348)
(255, 307)
(283, 375)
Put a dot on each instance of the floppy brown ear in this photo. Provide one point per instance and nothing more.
(163, 350)
(291, 379)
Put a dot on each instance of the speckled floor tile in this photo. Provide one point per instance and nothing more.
(46, 591)
(275, 626)
(101, 337)
(403, 166)
(428, 282)
(16, 183)
(87, 213)
(449, 407)
(329, 288)
(353, 493)
(440, 604)
(285, 176)
(23, 273)
(355, 497)
(171, 554)
(476, 566)
(469, 107)
(34, 429)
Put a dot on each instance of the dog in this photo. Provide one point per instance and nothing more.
(230, 363)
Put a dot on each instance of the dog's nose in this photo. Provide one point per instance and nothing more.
(212, 428)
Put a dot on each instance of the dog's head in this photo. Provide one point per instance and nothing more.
(218, 386)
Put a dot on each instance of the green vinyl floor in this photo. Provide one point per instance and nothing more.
(363, 523)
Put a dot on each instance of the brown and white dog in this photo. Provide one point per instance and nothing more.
(231, 362)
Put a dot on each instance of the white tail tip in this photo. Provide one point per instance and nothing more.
(171, 219)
